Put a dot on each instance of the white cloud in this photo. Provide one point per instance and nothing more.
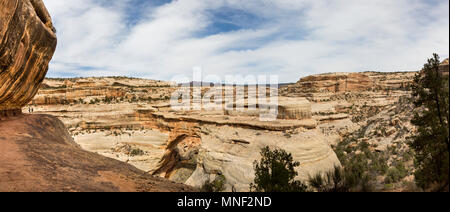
(294, 38)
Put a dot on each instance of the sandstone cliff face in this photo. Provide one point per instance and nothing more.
(294, 108)
(337, 82)
(27, 44)
(108, 89)
(444, 67)
(323, 85)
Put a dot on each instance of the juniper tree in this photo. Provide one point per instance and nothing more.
(276, 172)
(431, 144)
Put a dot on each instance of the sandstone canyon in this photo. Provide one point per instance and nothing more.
(131, 120)
(121, 134)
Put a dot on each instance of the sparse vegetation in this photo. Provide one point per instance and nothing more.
(359, 157)
(136, 152)
(275, 172)
(218, 185)
(395, 174)
(340, 180)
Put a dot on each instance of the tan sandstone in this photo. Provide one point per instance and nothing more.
(27, 44)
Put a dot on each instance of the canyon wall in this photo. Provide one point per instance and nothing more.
(192, 147)
(336, 82)
(354, 82)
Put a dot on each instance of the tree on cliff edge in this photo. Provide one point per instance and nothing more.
(431, 144)
(275, 172)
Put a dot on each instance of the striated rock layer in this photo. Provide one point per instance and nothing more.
(444, 67)
(294, 108)
(337, 82)
(27, 44)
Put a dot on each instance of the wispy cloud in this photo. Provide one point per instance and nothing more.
(291, 38)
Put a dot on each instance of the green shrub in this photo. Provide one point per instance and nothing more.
(275, 172)
(379, 165)
(218, 185)
(395, 174)
(340, 180)
(136, 152)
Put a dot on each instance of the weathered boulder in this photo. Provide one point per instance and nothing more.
(27, 44)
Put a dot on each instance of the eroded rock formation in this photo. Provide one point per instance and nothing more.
(291, 108)
(194, 147)
(320, 86)
(444, 67)
(27, 44)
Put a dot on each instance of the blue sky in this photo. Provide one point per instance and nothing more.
(160, 39)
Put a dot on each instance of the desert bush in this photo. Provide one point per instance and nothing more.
(218, 185)
(136, 152)
(393, 176)
(396, 173)
(340, 180)
(275, 172)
